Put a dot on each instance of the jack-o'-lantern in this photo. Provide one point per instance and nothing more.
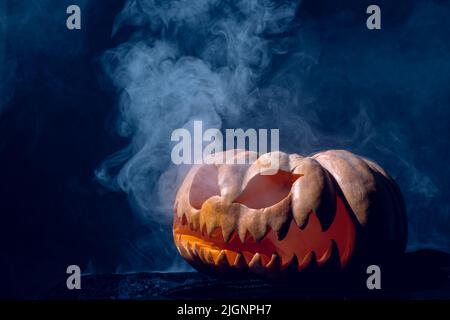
(233, 217)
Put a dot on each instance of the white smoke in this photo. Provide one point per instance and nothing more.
(189, 60)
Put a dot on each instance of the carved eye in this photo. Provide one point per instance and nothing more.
(264, 191)
(204, 186)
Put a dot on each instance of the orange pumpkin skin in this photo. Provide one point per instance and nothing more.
(315, 211)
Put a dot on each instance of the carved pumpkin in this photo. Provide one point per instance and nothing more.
(332, 206)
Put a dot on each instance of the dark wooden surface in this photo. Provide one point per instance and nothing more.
(423, 274)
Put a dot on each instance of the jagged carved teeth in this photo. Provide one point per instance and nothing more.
(211, 245)
(254, 226)
(257, 262)
(325, 216)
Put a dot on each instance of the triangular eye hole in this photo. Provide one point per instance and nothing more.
(264, 191)
(204, 186)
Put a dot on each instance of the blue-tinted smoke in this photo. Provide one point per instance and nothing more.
(201, 60)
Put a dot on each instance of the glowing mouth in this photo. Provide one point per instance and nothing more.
(297, 249)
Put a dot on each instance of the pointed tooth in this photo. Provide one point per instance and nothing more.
(305, 261)
(210, 228)
(183, 242)
(188, 218)
(205, 256)
(256, 224)
(333, 261)
(202, 223)
(326, 255)
(301, 209)
(182, 250)
(195, 250)
(253, 224)
(189, 250)
(331, 264)
(195, 218)
(202, 226)
(242, 233)
(228, 222)
(256, 263)
(279, 219)
(227, 233)
(186, 247)
(258, 232)
(326, 211)
(314, 192)
(303, 222)
(274, 263)
(221, 260)
(272, 268)
(285, 261)
(239, 261)
(203, 230)
(209, 257)
(208, 217)
(202, 254)
(283, 230)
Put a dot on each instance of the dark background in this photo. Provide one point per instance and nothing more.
(58, 112)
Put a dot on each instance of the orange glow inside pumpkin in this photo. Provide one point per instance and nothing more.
(299, 242)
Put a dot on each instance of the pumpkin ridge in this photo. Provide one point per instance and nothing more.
(222, 221)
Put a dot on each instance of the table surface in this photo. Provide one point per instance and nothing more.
(424, 274)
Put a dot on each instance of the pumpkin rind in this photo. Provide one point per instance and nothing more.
(335, 198)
